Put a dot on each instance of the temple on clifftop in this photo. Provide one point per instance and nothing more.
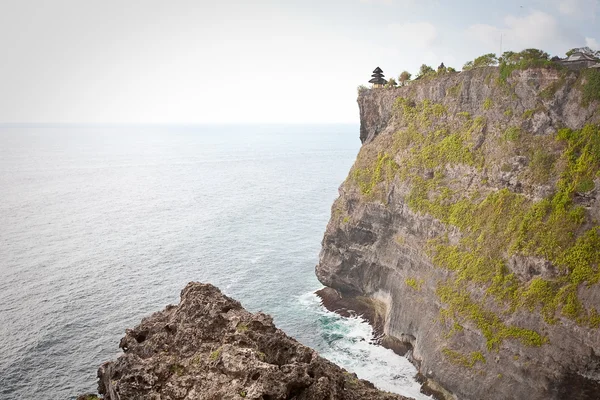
(377, 78)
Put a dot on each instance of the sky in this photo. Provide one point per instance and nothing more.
(240, 61)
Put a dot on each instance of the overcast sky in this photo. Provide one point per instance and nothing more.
(261, 61)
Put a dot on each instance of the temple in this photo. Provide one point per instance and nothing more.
(377, 78)
(580, 60)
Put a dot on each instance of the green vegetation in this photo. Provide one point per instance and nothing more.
(456, 327)
(485, 60)
(499, 224)
(242, 393)
(361, 88)
(241, 327)
(215, 354)
(455, 90)
(529, 58)
(466, 361)
(488, 78)
(487, 104)
(541, 166)
(591, 86)
(368, 178)
(425, 70)
(351, 379)
(196, 360)
(508, 113)
(176, 369)
(512, 134)
(551, 89)
(506, 223)
(462, 307)
(414, 283)
(528, 114)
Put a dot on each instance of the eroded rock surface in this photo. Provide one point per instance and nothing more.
(470, 222)
(209, 347)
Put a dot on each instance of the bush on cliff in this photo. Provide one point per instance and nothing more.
(486, 60)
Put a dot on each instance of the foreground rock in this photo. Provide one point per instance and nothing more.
(469, 225)
(209, 347)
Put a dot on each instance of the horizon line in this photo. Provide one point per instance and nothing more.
(107, 124)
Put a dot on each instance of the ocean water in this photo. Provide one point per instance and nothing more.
(101, 226)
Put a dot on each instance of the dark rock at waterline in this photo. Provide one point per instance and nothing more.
(370, 310)
(350, 307)
(209, 347)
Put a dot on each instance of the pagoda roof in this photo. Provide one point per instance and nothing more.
(378, 80)
(377, 75)
(377, 70)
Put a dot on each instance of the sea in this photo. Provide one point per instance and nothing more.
(102, 225)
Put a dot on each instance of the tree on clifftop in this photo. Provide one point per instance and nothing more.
(425, 70)
(527, 55)
(486, 60)
(404, 77)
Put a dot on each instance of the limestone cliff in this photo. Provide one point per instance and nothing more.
(469, 223)
(209, 347)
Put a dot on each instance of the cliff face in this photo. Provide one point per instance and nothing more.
(209, 347)
(470, 222)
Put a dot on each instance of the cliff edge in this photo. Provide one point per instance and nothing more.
(469, 225)
(209, 347)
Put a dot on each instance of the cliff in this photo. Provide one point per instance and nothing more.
(209, 347)
(469, 226)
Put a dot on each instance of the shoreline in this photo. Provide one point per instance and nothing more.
(374, 313)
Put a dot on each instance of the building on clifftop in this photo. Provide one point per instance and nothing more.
(579, 60)
(377, 78)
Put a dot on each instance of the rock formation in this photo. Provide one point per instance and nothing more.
(209, 347)
(469, 225)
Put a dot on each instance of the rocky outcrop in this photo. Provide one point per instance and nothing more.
(469, 222)
(209, 347)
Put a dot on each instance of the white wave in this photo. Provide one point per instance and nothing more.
(349, 343)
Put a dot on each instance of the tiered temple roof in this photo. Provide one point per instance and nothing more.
(377, 77)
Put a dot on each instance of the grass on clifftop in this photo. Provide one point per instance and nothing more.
(500, 226)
